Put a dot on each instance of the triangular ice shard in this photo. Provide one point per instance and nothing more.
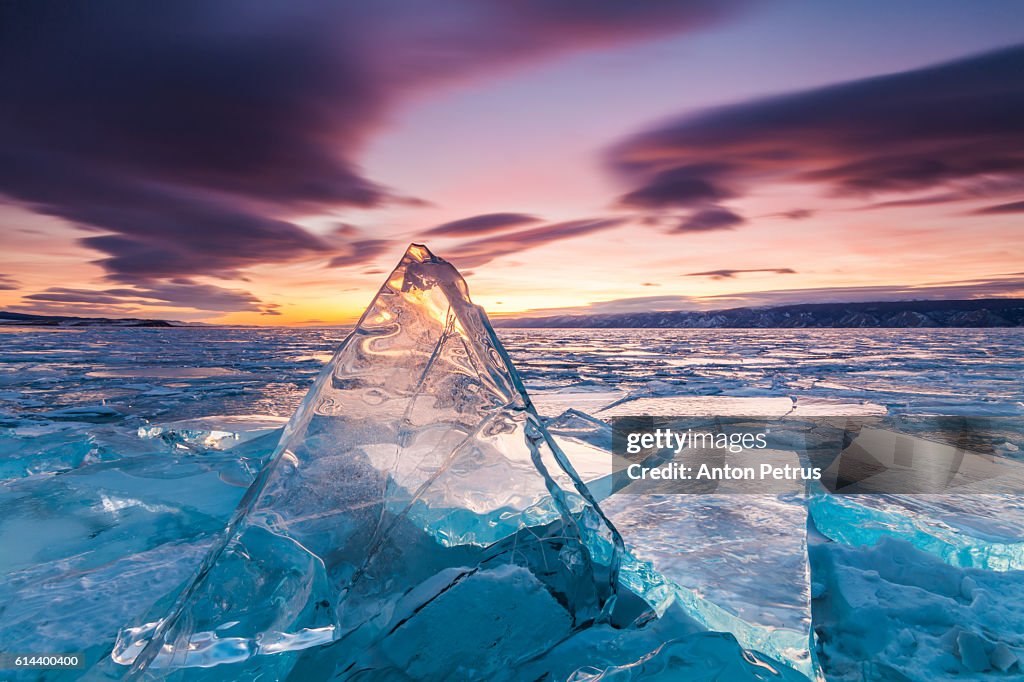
(414, 487)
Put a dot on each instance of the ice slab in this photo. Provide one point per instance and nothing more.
(587, 442)
(976, 530)
(77, 604)
(35, 449)
(666, 649)
(214, 432)
(968, 511)
(591, 400)
(708, 554)
(85, 413)
(113, 509)
(414, 475)
(716, 553)
(738, 406)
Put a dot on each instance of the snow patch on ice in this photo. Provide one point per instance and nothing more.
(893, 612)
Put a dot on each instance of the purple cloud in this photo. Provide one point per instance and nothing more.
(481, 224)
(185, 134)
(797, 214)
(689, 185)
(475, 253)
(710, 219)
(958, 122)
(730, 274)
(178, 293)
(1000, 209)
(361, 251)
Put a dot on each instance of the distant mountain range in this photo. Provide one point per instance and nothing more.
(986, 312)
(21, 319)
(989, 312)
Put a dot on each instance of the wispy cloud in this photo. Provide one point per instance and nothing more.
(729, 274)
(927, 129)
(710, 219)
(999, 209)
(475, 253)
(177, 293)
(360, 252)
(486, 223)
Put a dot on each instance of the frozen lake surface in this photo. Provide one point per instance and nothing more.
(172, 374)
(123, 451)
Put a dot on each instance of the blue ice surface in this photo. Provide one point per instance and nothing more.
(707, 554)
(106, 507)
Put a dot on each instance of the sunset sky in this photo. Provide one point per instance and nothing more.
(268, 162)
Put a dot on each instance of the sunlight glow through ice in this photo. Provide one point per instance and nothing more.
(415, 478)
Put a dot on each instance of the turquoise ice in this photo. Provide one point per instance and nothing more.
(414, 485)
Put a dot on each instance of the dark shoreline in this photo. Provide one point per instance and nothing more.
(982, 313)
(25, 320)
